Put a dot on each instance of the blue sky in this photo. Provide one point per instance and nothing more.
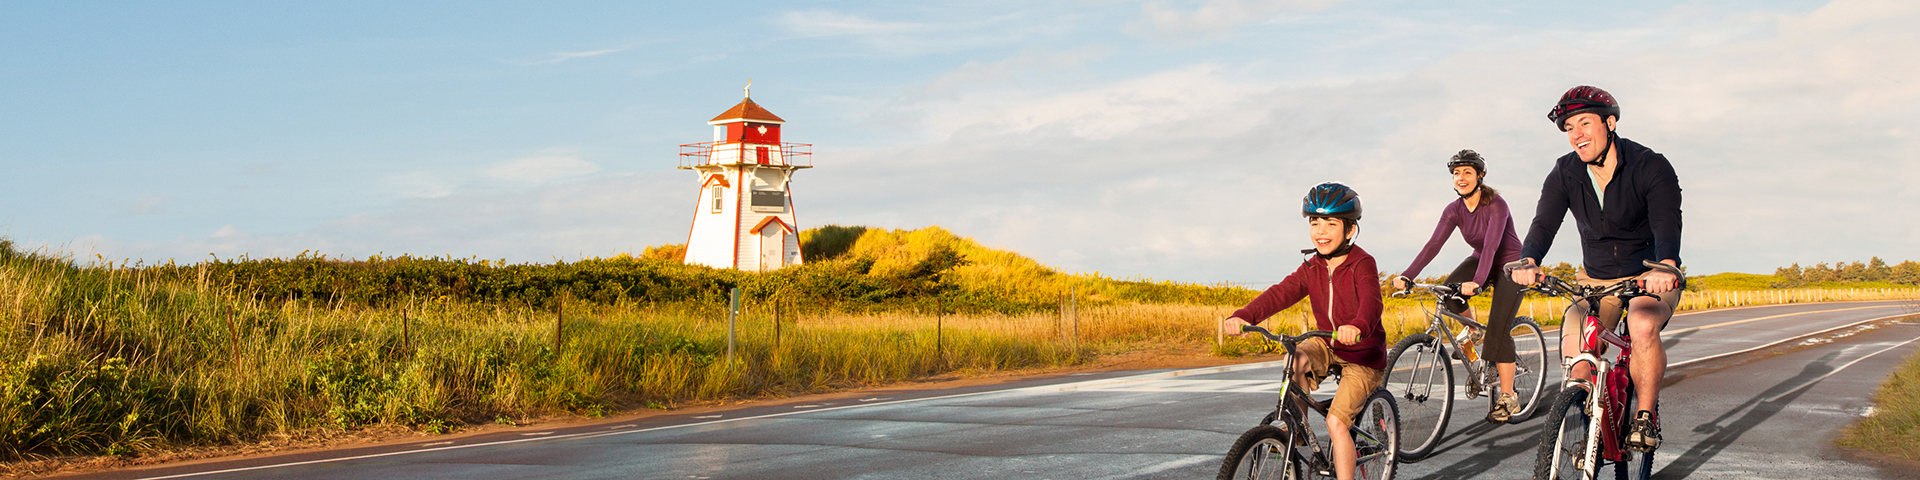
(1167, 139)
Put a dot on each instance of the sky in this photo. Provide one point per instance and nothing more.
(1169, 140)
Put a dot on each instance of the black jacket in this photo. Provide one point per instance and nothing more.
(1641, 220)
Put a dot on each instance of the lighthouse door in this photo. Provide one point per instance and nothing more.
(773, 241)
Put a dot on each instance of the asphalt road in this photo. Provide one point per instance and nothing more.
(1769, 413)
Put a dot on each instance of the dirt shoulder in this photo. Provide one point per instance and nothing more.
(324, 440)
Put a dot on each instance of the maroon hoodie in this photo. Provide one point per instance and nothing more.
(1355, 301)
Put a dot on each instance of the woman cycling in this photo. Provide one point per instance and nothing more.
(1484, 222)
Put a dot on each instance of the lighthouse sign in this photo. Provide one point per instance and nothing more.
(744, 218)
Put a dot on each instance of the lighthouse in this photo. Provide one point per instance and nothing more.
(743, 215)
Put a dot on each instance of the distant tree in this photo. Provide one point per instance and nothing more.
(1907, 272)
(1851, 271)
(1877, 270)
(1790, 276)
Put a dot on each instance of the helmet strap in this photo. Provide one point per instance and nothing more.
(1346, 244)
(1601, 161)
(1476, 189)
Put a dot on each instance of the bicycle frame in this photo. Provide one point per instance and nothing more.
(1298, 425)
(1437, 327)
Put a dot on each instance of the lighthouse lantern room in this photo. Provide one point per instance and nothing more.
(743, 217)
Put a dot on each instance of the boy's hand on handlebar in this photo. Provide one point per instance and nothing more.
(1400, 282)
(1469, 289)
(1232, 326)
(1347, 334)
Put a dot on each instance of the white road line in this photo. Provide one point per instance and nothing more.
(1784, 340)
(1810, 383)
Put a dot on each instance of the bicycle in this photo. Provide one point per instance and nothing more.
(1420, 370)
(1589, 422)
(1270, 452)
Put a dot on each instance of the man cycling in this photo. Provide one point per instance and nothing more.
(1625, 200)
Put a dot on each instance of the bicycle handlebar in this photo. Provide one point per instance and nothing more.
(1288, 340)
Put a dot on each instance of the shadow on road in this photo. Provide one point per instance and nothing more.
(1726, 430)
(1521, 439)
(1669, 341)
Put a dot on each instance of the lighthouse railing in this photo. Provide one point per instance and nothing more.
(797, 155)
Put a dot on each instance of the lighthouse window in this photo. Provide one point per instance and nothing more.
(716, 199)
(769, 200)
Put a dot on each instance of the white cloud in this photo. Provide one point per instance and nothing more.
(149, 205)
(1214, 19)
(541, 169)
(418, 184)
(558, 57)
(1193, 172)
(949, 31)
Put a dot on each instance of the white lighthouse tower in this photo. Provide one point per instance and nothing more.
(743, 217)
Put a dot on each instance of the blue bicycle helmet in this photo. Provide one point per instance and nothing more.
(1331, 199)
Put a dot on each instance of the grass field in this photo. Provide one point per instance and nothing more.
(1894, 426)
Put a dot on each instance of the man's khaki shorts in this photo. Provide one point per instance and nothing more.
(1610, 306)
(1356, 381)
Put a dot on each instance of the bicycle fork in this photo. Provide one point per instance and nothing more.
(1595, 408)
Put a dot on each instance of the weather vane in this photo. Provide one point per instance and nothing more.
(747, 91)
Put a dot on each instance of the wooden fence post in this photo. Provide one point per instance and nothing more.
(733, 313)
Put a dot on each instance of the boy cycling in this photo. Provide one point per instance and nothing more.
(1343, 284)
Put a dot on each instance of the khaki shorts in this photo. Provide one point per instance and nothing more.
(1610, 306)
(1357, 382)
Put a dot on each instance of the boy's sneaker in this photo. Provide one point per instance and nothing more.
(1645, 433)
(1504, 408)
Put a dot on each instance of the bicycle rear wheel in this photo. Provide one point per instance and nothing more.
(1420, 379)
(1376, 438)
(1263, 453)
(1529, 366)
(1564, 442)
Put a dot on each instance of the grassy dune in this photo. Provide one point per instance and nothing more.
(98, 358)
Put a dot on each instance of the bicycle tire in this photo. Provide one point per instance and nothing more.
(1530, 369)
(1264, 442)
(1565, 433)
(1424, 388)
(1380, 419)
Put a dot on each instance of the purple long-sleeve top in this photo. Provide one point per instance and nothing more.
(1488, 229)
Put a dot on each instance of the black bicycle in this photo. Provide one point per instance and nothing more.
(1290, 450)
(1420, 370)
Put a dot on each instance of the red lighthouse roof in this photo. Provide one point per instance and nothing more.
(746, 111)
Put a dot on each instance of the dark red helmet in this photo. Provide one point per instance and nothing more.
(1583, 99)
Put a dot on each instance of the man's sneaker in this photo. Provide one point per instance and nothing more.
(1504, 408)
(1645, 433)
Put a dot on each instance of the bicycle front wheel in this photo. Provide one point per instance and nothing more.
(1376, 438)
(1529, 366)
(1420, 379)
(1263, 453)
(1562, 450)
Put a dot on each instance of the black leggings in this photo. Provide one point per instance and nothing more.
(1506, 302)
